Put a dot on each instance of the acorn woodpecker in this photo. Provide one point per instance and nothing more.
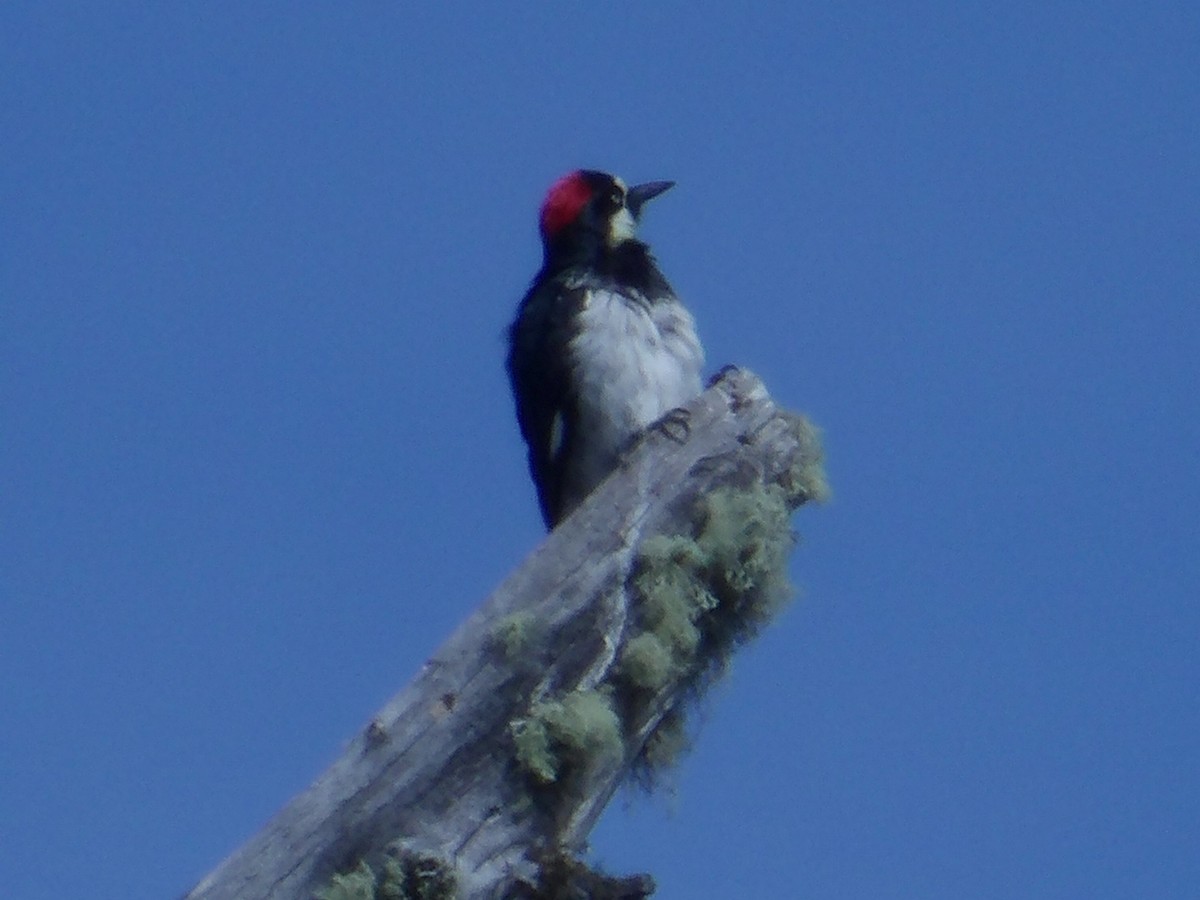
(601, 347)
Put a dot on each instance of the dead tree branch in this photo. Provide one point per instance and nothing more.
(483, 776)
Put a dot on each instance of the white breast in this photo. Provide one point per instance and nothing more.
(634, 362)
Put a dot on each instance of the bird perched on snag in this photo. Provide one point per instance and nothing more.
(601, 347)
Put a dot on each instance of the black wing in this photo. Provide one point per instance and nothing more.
(541, 385)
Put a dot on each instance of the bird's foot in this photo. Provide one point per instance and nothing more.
(675, 425)
(727, 369)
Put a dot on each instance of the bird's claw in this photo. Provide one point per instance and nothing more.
(727, 369)
(675, 425)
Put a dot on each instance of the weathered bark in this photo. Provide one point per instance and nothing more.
(438, 771)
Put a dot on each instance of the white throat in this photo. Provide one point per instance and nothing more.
(621, 227)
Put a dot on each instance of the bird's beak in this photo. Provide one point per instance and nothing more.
(640, 193)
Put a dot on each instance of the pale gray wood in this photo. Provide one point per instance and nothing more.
(435, 766)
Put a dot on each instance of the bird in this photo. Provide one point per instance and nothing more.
(601, 347)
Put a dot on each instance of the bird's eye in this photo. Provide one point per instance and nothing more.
(618, 199)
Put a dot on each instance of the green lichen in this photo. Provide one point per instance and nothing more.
(670, 550)
(699, 595)
(673, 593)
(515, 636)
(534, 748)
(358, 884)
(666, 745)
(805, 480)
(402, 875)
(646, 664)
(745, 541)
(573, 733)
(409, 876)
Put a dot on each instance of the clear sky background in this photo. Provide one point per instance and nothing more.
(258, 456)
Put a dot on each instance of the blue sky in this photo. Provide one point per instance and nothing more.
(258, 458)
